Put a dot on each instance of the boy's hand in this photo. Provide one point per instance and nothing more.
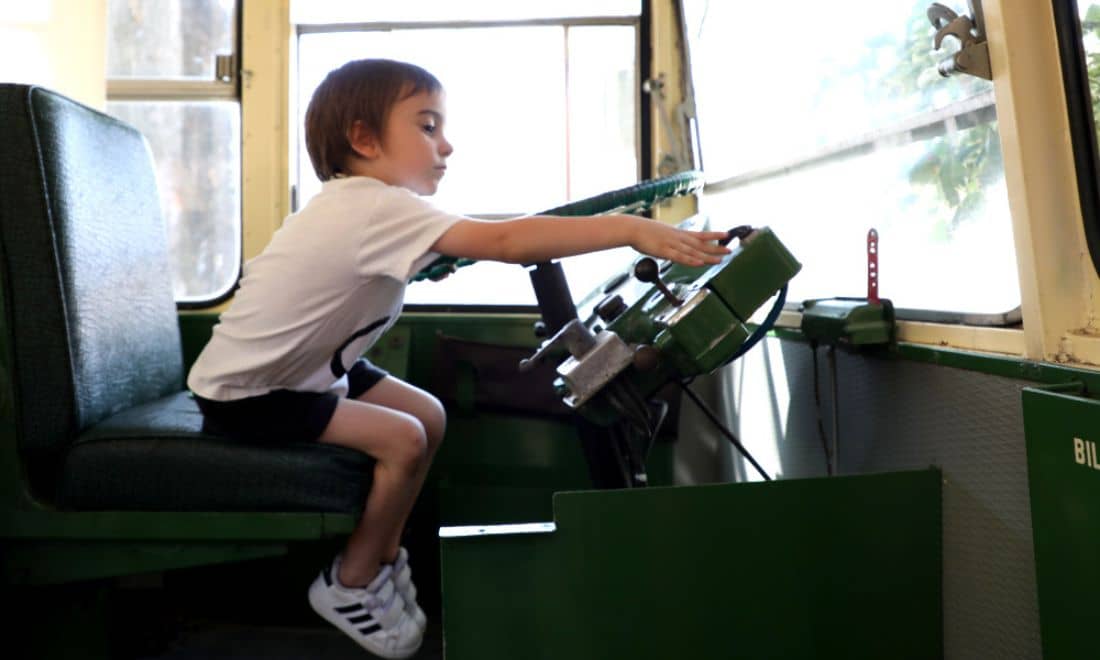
(690, 248)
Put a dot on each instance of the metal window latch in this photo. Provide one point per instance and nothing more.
(224, 68)
(973, 55)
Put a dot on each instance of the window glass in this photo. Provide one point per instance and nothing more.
(509, 152)
(161, 80)
(167, 38)
(1089, 13)
(539, 115)
(843, 125)
(196, 146)
(602, 84)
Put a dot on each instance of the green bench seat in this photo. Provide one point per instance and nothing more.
(104, 469)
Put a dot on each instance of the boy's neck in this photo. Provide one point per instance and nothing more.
(364, 167)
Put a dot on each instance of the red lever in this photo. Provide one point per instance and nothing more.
(872, 266)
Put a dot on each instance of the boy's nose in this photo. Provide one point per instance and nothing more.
(445, 148)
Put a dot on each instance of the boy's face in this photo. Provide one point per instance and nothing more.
(413, 152)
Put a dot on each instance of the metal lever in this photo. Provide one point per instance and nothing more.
(646, 270)
(740, 232)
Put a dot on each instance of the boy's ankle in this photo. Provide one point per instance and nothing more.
(354, 579)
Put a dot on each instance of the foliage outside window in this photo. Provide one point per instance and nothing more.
(839, 123)
(162, 79)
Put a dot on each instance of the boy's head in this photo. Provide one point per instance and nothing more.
(360, 91)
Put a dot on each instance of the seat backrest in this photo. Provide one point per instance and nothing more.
(88, 312)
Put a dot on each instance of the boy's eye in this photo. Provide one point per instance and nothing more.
(429, 128)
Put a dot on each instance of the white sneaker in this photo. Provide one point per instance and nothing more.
(373, 616)
(402, 579)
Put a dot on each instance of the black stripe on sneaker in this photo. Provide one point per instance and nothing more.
(370, 629)
(359, 619)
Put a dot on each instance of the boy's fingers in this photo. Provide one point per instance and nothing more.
(710, 235)
(709, 247)
(690, 256)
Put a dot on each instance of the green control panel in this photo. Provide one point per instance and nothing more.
(659, 321)
(850, 321)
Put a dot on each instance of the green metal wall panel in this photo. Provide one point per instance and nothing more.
(846, 567)
(1062, 430)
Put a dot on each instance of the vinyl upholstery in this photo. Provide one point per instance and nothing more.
(89, 324)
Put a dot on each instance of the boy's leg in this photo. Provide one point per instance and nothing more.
(398, 442)
(396, 394)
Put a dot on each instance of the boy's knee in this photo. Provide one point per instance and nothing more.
(411, 448)
(435, 423)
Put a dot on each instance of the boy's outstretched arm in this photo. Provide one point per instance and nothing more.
(541, 237)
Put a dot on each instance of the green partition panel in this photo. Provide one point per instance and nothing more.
(1062, 430)
(844, 567)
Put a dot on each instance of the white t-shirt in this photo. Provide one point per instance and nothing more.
(329, 284)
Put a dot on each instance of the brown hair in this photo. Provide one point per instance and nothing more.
(361, 90)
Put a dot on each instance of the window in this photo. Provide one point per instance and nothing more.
(1079, 42)
(171, 69)
(542, 102)
(835, 122)
(1089, 15)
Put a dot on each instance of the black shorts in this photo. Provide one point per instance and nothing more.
(284, 415)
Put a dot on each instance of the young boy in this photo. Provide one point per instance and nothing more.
(283, 363)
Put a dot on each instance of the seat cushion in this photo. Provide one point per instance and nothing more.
(154, 457)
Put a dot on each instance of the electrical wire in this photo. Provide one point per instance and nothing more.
(754, 338)
(722, 427)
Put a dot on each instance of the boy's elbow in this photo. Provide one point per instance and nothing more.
(509, 250)
(514, 255)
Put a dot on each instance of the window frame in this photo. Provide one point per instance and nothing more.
(643, 142)
(224, 86)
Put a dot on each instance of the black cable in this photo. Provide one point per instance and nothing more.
(725, 431)
(637, 420)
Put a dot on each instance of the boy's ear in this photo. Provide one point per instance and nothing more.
(363, 141)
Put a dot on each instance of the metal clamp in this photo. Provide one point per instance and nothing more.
(973, 55)
(594, 360)
(576, 338)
